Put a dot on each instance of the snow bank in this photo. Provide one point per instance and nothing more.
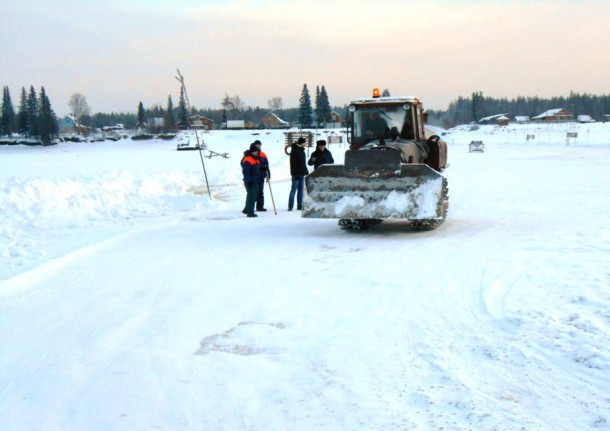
(37, 204)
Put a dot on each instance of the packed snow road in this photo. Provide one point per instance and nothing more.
(194, 317)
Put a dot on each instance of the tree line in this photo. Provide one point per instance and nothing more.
(231, 108)
(471, 109)
(34, 118)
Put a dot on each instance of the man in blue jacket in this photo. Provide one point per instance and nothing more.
(250, 166)
(265, 175)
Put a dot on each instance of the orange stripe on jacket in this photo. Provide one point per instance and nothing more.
(251, 160)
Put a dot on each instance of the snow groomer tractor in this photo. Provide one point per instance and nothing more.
(393, 169)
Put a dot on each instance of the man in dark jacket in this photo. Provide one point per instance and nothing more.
(265, 175)
(321, 156)
(298, 170)
(250, 166)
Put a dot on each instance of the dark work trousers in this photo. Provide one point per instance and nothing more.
(260, 202)
(251, 197)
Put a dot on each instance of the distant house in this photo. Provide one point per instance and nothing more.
(500, 119)
(272, 121)
(201, 122)
(68, 124)
(522, 119)
(336, 120)
(554, 116)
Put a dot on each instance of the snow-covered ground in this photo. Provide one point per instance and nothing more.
(130, 300)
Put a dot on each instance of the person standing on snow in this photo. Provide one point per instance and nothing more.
(321, 156)
(250, 166)
(265, 175)
(298, 170)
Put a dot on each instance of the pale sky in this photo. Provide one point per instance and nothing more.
(118, 53)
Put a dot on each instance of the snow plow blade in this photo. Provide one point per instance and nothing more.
(376, 185)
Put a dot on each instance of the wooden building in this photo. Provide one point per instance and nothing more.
(500, 119)
(201, 122)
(272, 121)
(555, 116)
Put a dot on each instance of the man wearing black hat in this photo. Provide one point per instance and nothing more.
(250, 166)
(265, 175)
(298, 170)
(321, 156)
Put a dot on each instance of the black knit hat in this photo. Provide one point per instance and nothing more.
(321, 142)
(257, 142)
(301, 141)
(253, 148)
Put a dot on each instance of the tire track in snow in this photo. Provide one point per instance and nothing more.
(24, 282)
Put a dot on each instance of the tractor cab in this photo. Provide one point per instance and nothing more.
(385, 118)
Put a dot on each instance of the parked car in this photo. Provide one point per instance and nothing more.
(476, 146)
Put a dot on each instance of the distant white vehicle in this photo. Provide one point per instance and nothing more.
(236, 124)
(476, 146)
(116, 127)
(585, 119)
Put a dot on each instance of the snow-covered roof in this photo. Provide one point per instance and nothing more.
(493, 117)
(549, 113)
(278, 118)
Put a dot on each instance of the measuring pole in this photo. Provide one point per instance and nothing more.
(271, 192)
(180, 79)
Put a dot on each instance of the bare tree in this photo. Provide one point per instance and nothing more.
(237, 103)
(80, 108)
(227, 103)
(233, 105)
(275, 103)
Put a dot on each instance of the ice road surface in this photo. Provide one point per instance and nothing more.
(130, 300)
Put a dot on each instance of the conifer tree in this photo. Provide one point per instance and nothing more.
(324, 110)
(317, 106)
(22, 114)
(476, 98)
(170, 117)
(141, 116)
(183, 114)
(48, 127)
(32, 113)
(7, 116)
(305, 111)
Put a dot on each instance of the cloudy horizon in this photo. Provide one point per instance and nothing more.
(120, 53)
